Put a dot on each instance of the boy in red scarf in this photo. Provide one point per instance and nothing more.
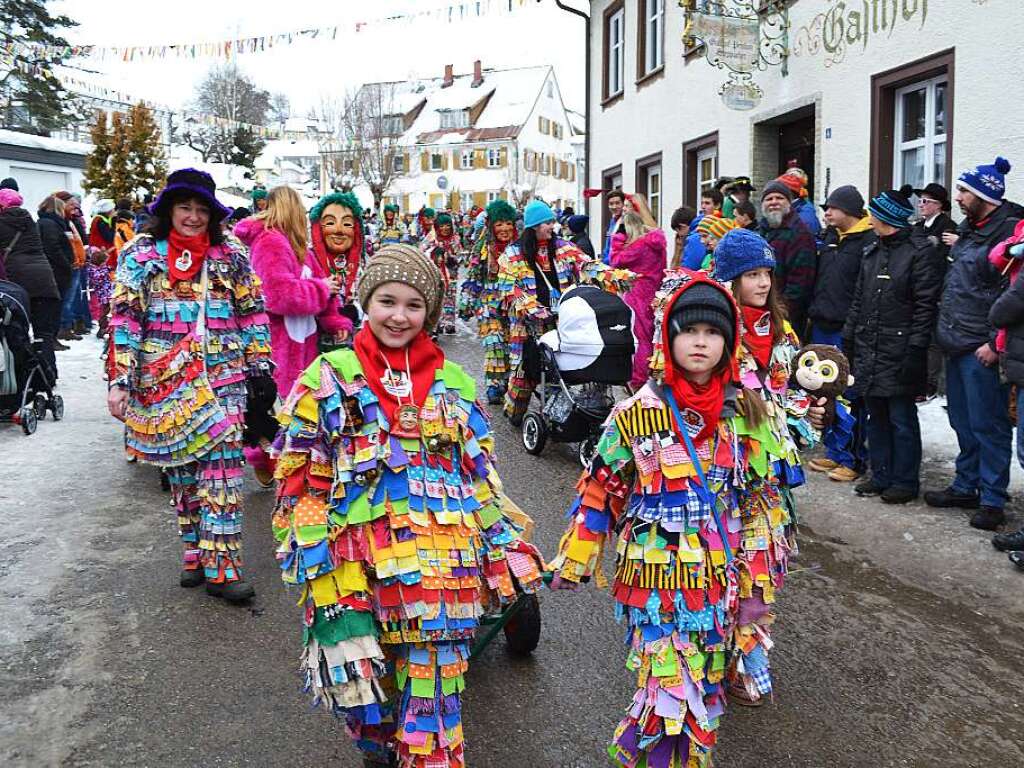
(390, 515)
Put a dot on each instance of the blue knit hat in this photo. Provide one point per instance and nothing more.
(892, 208)
(537, 212)
(987, 181)
(741, 250)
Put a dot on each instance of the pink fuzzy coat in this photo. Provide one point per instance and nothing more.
(647, 257)
(297, 301)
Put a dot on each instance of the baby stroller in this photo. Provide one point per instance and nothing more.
(590, 351)
(26, 382)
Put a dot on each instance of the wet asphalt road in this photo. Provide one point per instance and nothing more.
(891, 651)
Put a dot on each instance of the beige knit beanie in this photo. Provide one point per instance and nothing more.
(403, 264)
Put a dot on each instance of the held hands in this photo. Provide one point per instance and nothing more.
(117, 402)
(950, 238)
(816, 413)
(986, 356)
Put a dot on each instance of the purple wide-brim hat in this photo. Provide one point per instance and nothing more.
(193, 181)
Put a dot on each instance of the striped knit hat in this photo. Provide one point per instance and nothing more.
(892, 208)
(716, 227)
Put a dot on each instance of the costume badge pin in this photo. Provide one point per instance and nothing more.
(184, 261)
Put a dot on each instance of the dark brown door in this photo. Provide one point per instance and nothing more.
(796, 147)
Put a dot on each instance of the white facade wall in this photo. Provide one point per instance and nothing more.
(683, 104)
(549, 106)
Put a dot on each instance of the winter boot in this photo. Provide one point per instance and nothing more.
(1009, 542)
(232, 591)
(950, 498)
(988, 518)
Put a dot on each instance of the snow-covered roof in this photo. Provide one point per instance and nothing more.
(44, 142)
(276, 149)
(512, 95)
(301, 124)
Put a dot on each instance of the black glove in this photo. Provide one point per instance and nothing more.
(914, 370)
(262, 392)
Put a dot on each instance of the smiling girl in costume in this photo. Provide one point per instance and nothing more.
(666, 481)
(389, 515)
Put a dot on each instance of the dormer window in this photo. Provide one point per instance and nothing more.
(454, 118)
(391, 125)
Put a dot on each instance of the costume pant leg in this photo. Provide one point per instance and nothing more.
(186, 503)
(219, 490)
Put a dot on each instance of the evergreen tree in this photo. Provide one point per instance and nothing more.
(97, 172)
(120, 158)
(32, 99)
(147, 166)
(246, 147)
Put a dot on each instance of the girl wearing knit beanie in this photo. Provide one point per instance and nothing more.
(767, 348)
(391, 519)
(666, 481)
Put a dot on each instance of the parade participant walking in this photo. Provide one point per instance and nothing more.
(666, 479)
(643, 251)
(389, 515)
(189, 336)
(301, 300)
(336, 231)
(444, 247)
(392, 230)
(886, 335)
(425, 223)
(767, 348)
(481, 296)
(533, 273)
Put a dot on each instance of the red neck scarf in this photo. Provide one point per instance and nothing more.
(758, 333)
(185, 268)
(346, 265)
(700, 404)
(424, 358)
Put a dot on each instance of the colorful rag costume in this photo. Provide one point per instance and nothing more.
(444, 251)
(187, 394)
(529, 299)
(345, 265)
(481, 297)
(679, 563)
(390, 232)
(399, 544)
(646, 257)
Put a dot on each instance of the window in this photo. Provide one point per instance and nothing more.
(920, 134)
(648, 182)
(494, 157)
(398, 163)
(436, 200)
(454, 118)
(436, 161)
(912, 110)
(556, 130)
(466, 159)
(492, 196)
(466, 201)
(529, 160)
(391, 125)
(614, 50)
(651, 50)
(545, 125)
(700, 167)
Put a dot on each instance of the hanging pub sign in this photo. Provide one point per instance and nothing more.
(732, 42)
(741, 97)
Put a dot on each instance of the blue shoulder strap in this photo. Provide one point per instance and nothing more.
(681, 427)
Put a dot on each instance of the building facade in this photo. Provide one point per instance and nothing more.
(875, 93)
(465, 140)
(42, 165)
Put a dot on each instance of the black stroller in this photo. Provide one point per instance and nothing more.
(26, 381)
(589, 352)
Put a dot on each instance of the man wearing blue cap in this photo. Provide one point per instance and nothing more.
(886, 337)
(978, 401)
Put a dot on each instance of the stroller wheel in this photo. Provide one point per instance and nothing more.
(587, 450)
(57, 407)
(27, 419)
(522, 632)
(39, 403)
(535, 433)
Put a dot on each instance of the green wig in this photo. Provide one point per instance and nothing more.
(346, 199)
(259, 193)
(428, 213)
(391, 207)
(442, 219)
(500, 210)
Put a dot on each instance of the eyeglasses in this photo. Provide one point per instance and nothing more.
(927, 201)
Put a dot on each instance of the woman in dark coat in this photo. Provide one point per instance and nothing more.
(886, 336)
(26, 265)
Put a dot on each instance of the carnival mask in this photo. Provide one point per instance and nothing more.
(339, 228)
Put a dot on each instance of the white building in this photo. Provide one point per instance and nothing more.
(42, 165)
(875, 93)
(469, 139)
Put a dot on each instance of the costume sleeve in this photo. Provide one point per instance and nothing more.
(602, 492)
(516, 299)
(247, 296)
(127, 312)
(609, 279)
(502, 524)
(285, 292)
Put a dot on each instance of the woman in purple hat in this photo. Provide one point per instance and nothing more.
(190, 349)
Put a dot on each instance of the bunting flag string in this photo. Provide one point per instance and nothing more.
(451, 13)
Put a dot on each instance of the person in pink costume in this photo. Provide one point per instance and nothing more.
(301, 300)
(643, 250)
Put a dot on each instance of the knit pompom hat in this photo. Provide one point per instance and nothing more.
(892, 208)
(403, 264)
(703, 303)
(10, 198)
(742, 250)
(537, 212)
(987, 181)
(716, 227)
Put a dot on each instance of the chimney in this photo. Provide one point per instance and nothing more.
(449, 75)
(478, 74)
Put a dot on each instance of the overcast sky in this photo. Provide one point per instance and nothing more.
(535, 33)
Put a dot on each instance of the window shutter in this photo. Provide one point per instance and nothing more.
(444, 161)
(424, 161)
(406, 167)
(504, 157)
(503, 194)
(405, 203)
(480, 199)
(480, 158)
(453, 201)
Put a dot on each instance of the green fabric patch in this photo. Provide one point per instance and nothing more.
(455, 378)
(488, 514)
(423, 689)
(344, 361)
(345, 626)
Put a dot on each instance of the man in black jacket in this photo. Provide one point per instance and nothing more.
(848, 236)
(887, 335)
(977, 399)
(577, 225)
